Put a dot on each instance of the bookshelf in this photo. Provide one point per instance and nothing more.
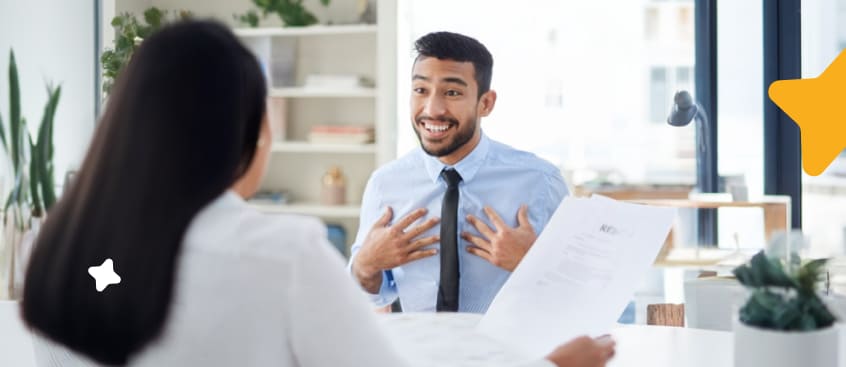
(288, 55)
(300, 92)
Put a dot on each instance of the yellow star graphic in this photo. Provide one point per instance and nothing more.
(815, 105)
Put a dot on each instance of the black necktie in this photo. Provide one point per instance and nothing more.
(448, 288)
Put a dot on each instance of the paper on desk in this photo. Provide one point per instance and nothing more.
(579, 275)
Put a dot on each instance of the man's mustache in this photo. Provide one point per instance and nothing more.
(439, 118)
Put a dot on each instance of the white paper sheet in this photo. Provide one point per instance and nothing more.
(579, 275)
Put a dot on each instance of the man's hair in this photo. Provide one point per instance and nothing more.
(458, 47)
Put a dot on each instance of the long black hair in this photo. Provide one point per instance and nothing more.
(181, 126)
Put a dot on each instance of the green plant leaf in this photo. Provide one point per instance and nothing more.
(34, 162)
(762, 271)
(821, 313)
(3, 134)
(811, 273)
(786, 314)
(759, 309)
(128, 29)
(153, 16)
(325, 2)
(42, 153)
(782, 300)
(14, 112)
(118, 21)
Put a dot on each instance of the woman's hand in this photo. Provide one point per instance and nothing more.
(583, 352)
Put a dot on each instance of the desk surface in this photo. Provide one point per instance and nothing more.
(451, 340)
(15, 341)
(445, 339)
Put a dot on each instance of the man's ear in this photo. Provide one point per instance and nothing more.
(486, 103)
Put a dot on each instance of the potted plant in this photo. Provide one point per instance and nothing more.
(784, 321)
(292, 13)
(28, 166)
(129, 33)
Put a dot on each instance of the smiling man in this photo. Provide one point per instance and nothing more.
(443, 226)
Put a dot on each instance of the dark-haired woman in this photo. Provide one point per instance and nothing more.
(205, 279)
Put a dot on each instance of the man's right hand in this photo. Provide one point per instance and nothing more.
(388, 246)
(583, 352)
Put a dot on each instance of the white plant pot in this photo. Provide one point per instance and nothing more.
(762, 347)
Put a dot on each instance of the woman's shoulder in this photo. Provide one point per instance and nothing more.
(280, 235)
(246, 232)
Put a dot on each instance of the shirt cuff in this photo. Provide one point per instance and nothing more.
(387, 291)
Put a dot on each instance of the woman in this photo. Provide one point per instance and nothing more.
(205, 280)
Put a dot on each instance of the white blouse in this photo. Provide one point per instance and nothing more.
(264, 290)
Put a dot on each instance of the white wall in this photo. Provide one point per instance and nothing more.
(53, 41)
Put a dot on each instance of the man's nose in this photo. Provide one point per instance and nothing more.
(434, 107)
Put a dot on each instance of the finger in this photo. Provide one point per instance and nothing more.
(481, 226)
(605, 339)
(385, 218)
(523, 217)
(495, 219)
(423, 242)
(607, 344)
(420, 254)
(480, 253)
(411, 218)
(477, 241)
(427, 225)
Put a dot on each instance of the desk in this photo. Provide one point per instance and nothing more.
(450, 340)
(15, 341)
(446, 340)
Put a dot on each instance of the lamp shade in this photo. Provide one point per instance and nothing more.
(684, 109)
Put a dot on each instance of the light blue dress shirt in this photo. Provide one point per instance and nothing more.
(494, 175)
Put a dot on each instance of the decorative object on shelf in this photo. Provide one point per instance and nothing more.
(129, 33)
(291, 12)
(784, 321)
(334, 189)
(736, 186)
(337, 237)
(275, 197)
(337, 81)
(341, 134)
(367, 11)
(29, 165)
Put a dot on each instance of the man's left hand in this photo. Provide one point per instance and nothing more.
(502, 246)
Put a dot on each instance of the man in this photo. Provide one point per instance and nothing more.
(490, 200)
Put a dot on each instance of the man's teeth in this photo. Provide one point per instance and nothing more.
(436, 128)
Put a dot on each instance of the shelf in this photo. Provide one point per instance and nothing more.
(315, 30)
(313, 209)
(306, 147)
(302, 92)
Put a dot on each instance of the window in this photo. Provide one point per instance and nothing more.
(586, 85)
(824, 196)
(664, 82)
(740, 117)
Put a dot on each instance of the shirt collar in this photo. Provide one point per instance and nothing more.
(467, 167)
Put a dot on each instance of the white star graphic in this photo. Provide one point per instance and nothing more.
(104, 275)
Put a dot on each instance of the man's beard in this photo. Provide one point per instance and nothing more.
(462, 136)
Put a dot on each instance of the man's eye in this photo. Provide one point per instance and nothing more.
(453, 93)
(419, 90)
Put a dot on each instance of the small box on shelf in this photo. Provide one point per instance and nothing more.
(270, 197)
(337, 81)
(341, 134)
